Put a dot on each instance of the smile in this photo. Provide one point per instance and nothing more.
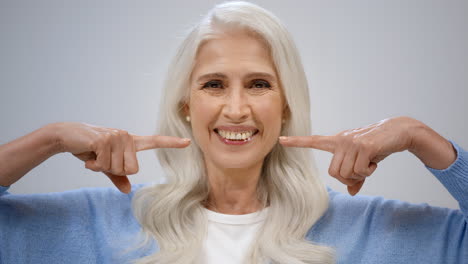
(235, 138)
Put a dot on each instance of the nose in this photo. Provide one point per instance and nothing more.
(236, 107)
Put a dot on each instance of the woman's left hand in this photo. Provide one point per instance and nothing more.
(357, 151)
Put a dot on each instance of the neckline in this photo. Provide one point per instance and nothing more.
(243, 219)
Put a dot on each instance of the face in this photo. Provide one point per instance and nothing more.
(236, 102)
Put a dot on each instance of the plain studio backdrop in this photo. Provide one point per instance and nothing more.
(104, 63)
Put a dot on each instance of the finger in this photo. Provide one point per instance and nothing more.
(354, 189)
(156, 141)
(348, 182)
(334, 169)
(326, 143)
(117, 163)
(363, 166)
(347, 166)
(121, 182)
(85, 156)
(91, 165)
(103, 160)
(130, 158)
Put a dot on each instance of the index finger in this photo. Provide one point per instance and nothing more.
(156, 141)
(326, 143)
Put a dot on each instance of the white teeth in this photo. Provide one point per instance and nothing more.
(234, 135)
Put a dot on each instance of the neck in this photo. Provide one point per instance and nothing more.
(233, 191)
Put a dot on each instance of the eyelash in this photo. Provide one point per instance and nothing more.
(254, 82)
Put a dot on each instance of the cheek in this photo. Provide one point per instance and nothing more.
(270, 114)
(202, 113)
(270, 109)
(199, 106)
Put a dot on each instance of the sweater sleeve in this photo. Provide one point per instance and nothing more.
(4, 190)
(369, 229)
(87, 225)
(455, 178)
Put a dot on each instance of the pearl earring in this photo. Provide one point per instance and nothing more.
(187, 118)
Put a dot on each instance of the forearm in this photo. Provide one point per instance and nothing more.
(18, 157)
(431, 148)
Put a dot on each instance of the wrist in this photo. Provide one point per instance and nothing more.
(51, 136)
(431, 148)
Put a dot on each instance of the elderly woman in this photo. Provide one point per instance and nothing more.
(236, 192)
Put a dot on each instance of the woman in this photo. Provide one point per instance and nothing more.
(235, 194)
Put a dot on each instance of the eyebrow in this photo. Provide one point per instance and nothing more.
(219, 75)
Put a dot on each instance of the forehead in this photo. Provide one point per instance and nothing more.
(233, 52)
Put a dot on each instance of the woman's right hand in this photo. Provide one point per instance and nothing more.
(109, 150)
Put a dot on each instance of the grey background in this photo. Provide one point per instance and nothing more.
(104, 63)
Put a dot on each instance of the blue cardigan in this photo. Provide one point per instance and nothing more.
(94, 225)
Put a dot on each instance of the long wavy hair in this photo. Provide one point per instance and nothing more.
(171, 214)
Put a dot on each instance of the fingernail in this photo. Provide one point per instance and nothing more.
(186, 139)
(282, 138)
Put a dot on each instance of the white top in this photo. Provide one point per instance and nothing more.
(230, 236)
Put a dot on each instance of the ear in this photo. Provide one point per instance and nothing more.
(286, 112)
(184, 109)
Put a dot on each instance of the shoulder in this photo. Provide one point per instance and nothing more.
(82, 199)
(375, 213)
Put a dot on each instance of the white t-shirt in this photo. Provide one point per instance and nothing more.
(230, 236)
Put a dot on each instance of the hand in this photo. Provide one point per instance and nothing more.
(111, 151)
(357, 151)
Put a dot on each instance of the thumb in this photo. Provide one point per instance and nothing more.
(121, 182)
(353, 190)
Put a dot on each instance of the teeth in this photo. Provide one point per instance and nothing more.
(234, 135)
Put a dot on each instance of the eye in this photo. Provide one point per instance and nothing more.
(260, 84)
(213, 84)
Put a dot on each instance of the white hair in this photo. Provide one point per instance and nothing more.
(172, 215)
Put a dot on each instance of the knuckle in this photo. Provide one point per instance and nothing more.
(351, 182)
(357, 176)
(101, 139)
(106, 137)
(91, 167)
(361, 171)
(106, 167)
(332, 172)
(118, 172)
(348, 182)
(93, 143)
(113, 133)
(132, 170)
(356, 140)
(123, 133)
(135, 168)
(345, 174)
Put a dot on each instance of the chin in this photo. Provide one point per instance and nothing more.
(239, 161)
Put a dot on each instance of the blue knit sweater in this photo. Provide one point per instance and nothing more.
(94, 225)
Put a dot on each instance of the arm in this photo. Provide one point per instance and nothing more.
(431, 148)
(367, 229)
(20, 156)
(446, 160)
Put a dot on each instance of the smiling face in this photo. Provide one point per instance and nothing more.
(236, 103)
